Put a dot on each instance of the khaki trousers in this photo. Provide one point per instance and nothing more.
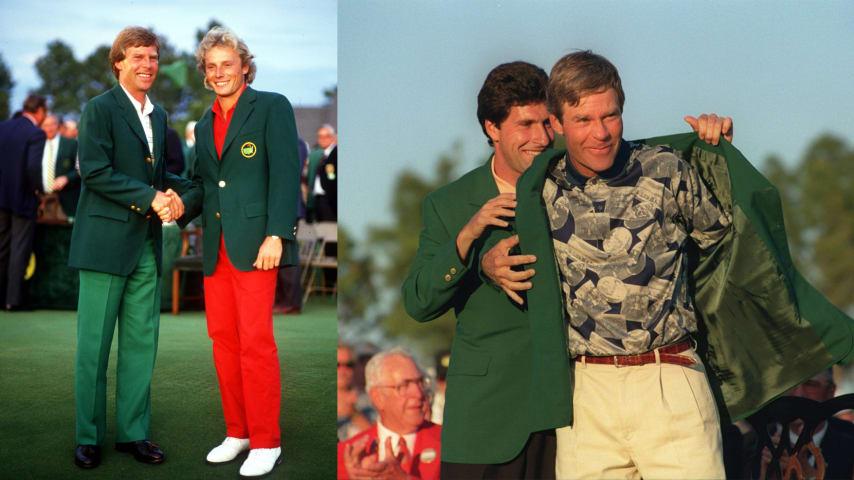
(654, 421)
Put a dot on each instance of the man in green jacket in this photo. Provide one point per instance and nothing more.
(245, 186)
(675, 280)
(507, 383)
(116, 244)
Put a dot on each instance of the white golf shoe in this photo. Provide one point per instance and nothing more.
(261, 461)
(228, 450)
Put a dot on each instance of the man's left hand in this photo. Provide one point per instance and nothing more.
(269, 254)
(59, 183)
(710, 127)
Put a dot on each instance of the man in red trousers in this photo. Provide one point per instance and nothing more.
(245, 181)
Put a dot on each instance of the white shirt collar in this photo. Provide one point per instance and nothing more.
(328, 150)
(383, 433)
(145, 109)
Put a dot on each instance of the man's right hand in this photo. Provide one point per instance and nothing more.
(160, 205)
(496, 265)
(489, 214)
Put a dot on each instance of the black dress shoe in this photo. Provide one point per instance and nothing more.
(143, 451)
(87, 456)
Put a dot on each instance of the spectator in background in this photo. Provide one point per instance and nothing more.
(68, 129)
(189, 151)
(402, 444)
(443, 360)
(21, 147)
(288, 291)
(59, 171)
(355, 412)
(834, 437)
(320, 177)
(174, 152)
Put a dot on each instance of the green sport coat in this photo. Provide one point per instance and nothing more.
(66, 160)
(251, 193)
(762, 327)
(120, 178)
(508, 375)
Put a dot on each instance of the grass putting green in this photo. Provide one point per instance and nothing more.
(37, 352)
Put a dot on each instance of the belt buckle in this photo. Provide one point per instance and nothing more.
(616, 361)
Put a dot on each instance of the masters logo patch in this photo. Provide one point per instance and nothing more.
(248, 149)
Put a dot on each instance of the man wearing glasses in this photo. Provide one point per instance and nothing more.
(403, 443)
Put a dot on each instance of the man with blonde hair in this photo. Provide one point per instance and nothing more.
(116, 244)
(245, 185)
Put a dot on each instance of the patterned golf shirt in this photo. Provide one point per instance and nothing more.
(619, 240)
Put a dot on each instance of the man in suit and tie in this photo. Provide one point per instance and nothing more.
(21, 145)
(59, 172)
(116, 244)
(245, 186)
(320, 177)
(403, 443)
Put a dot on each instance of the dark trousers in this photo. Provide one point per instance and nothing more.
(16, 245)
(288, 291)
(535, 461)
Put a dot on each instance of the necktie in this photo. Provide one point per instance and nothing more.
(403, 454)
(51, 168)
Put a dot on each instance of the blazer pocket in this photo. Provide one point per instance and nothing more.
(467, 362)
(108, 211)
(256, 209)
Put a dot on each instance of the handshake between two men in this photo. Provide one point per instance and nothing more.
(167, 205)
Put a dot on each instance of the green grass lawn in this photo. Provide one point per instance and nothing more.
(37, 352)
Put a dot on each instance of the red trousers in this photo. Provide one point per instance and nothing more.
(239, 309)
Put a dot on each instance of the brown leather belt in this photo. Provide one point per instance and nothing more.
(666, 354)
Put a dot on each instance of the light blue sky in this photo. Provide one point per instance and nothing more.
(294, 42)
(410, 70)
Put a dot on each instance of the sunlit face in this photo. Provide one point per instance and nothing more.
(401, 413)
(345, 367)
(224, 72)
(523, 135)
(593, 130)
(50, 126)
(325, 138)
(138, 69)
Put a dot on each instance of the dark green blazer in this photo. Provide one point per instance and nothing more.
(763, 328)
(120, 178)
(66, 164)
(252, 192)
(508, 375)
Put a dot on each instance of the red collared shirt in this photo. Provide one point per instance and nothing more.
(221, 121)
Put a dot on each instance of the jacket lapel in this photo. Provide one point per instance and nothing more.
(129, 114)
(245, 106)
(484, 188)
(158, 125)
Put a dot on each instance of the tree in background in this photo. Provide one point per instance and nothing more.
(357, 291)
(818, 205)
(391, 250)
(6, 84)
